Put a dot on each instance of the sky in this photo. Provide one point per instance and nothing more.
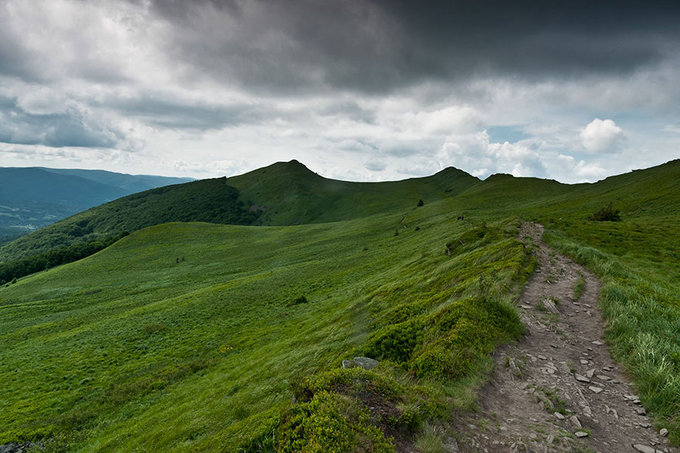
(355, 89)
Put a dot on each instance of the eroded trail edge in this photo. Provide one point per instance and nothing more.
(558, 389)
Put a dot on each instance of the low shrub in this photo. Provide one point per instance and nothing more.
(606, 214)
(330, 422)
(298, 301)
(395, 342)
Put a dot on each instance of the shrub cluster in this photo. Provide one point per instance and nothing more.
(330, 422)
(606, 214)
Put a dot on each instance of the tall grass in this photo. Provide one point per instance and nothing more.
(190, 336)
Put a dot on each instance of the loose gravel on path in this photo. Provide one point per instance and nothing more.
(558, 389)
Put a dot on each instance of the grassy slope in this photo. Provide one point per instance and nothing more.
(293, 194)
(289, 191)
(164, 380)
(130, 350)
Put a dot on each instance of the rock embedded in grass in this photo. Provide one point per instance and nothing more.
(365, 362)
(348, 364)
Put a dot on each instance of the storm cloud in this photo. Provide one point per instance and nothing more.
(381, 46)
(358, 89)
(68, 129)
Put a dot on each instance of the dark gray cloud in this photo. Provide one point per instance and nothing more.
(13, 53)
(165, 112)
(376, 46)
(71, 128)
(391, 86)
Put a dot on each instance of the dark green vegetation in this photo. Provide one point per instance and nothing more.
(606, 214)
(130, 349)
(292, 194)
(196, 337)
(208, 200)
(12, 270)
(284, 193)
(31, 198)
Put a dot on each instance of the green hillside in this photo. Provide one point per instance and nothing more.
(191, 336)
(285, 193)
(289, 193)
(205, 337)
(209, 200)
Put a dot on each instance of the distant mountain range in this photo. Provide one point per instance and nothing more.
(288, 193)
(284, 193)
(33, 197)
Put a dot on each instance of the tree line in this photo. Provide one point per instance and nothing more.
(21, 267)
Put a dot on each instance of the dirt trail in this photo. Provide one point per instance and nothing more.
(559, 382)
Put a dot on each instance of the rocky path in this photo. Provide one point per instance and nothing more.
(558, 389)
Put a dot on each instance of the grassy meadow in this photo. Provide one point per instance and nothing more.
(205, 337)
(189, 336)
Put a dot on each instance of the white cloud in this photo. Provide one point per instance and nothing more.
(602, 136)
(480, 157)
(154, 110)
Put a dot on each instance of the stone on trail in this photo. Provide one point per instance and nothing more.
(663, 432)
(575, 421)
(550, 305)
(581, 434)
(581, 378)
(612, 411)
(590, 373)
(451, 444)
(595, 389)
(597, 343)
(644, 448)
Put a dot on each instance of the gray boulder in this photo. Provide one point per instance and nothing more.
(365, 362)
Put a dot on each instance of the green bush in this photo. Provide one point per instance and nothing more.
(435, 363)
(330, 422)
(55, 257)
(349, 381)
(606, 214)
(298, 301)
(403, 312)
(459, 335)
(395, 342)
